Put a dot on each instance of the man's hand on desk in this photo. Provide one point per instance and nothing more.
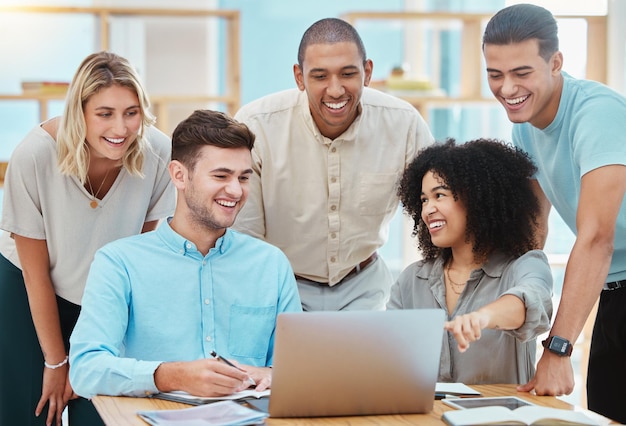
(203, 377)
(554, 376)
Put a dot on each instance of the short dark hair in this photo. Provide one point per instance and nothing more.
(330, 31)
(207, 127)
(493, 180)
(521, 22)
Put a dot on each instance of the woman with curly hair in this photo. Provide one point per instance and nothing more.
(475, 221)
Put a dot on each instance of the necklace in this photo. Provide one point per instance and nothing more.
(454, 285)
(94, 195)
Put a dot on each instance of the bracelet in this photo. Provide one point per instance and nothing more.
(55, 366)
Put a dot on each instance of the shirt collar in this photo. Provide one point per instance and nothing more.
(349, 135)
(181, 245)
(496, 262)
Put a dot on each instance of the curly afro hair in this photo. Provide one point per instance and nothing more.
(492, 179)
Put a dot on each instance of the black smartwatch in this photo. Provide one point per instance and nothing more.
(558, 345)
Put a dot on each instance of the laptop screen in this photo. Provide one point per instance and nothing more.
(355, 362)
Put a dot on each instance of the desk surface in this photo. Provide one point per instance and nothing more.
(121, 411)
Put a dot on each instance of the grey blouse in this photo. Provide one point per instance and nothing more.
(499, 356)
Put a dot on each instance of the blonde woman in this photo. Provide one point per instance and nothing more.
(76, 182)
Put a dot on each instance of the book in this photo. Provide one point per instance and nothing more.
(534, 415)
(221, 413)
(45, 87)
(180, 396)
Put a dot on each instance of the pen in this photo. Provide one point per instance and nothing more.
(440, 395)
(227, 362)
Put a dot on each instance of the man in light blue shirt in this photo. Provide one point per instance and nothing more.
(156, 305)
(574, 131)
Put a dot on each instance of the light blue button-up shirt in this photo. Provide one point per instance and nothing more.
(154, 297)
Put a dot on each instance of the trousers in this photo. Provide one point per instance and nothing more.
(607, 370)
(21, 359)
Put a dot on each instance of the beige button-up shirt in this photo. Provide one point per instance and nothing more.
(327, 203)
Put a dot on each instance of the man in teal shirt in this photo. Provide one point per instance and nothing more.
(156, 306)
(575, 131)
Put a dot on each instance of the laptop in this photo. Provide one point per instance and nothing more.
(355, 362)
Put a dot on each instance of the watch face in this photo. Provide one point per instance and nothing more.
(559, 345)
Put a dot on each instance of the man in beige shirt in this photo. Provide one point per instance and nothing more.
(327, 160)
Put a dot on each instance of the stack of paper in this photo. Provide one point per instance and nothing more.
(216, 414)
(180, 396)
(454, 389)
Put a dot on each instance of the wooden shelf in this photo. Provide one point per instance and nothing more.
(159, 103)
(42, 101)
(231, 75)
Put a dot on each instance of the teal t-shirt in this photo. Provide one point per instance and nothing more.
(588, 132)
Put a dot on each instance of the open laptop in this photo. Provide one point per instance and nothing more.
(355, 362)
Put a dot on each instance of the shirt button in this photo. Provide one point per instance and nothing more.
(333, 150)
(333, 235)
(188, 245)
(207, 301)
(208, 338)
(333, 179)
(333, 207)
(333, 259)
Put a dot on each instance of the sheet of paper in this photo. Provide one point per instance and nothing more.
(220, 413)
(455, 389)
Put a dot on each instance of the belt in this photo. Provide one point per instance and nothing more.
(358, 268)
(614, 285)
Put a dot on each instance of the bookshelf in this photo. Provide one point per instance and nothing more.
(161, 102)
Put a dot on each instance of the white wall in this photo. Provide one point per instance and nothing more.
(617, 45)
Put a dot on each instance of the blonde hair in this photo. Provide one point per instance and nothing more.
(97, 71)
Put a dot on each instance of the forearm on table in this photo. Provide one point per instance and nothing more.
(167, 376)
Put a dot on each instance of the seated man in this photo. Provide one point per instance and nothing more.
(156, 305)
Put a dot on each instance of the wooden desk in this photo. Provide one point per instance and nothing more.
(121, 411)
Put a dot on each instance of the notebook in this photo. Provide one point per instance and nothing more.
(355, 362)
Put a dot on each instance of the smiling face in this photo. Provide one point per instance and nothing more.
(333, 75)
(445, 217)
(217, 188)
(113, 119)
(528, 86)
